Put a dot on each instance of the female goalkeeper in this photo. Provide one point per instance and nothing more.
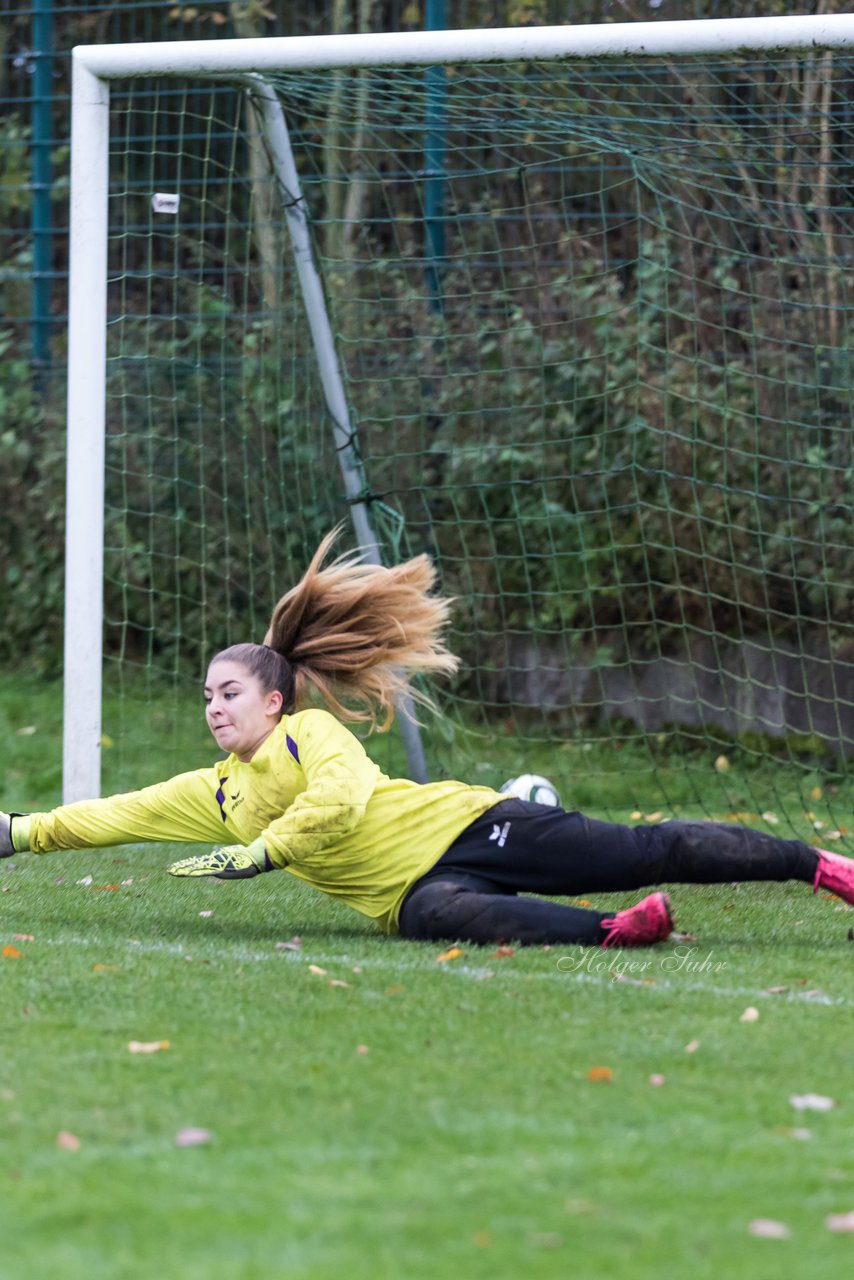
(296, 792)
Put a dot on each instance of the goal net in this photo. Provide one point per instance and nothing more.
(591, 319)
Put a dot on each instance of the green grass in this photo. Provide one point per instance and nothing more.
(467, 1140)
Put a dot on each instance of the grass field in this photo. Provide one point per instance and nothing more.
(354, 1106)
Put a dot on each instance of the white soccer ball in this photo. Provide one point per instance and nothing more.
(531, 786)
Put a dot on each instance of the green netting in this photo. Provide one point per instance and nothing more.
(218, 462)
(594, 324)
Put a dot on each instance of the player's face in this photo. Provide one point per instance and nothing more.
(239, 713)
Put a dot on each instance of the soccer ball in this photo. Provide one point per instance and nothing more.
(530, 786)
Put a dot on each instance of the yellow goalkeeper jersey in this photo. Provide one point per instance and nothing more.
(325, 811)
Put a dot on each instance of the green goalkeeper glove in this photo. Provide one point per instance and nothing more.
(6, 846)
(234, 862)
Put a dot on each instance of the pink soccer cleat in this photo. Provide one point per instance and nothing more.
(836, 874)
(650, 921)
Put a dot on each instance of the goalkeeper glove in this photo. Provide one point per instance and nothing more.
(234, 862)
(6, 846)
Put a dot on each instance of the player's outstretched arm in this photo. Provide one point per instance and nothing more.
(234, 862)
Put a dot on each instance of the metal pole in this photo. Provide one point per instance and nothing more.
(41, 214)
(282, 160)
(434, 163)
(87, 350)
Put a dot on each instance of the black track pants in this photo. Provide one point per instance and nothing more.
(519, 847)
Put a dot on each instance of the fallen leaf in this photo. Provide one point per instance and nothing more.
(803, 1135)
(583, 902)
(600, 1074)
(722, 764)
(192, 1137)
(452, 954)
(580, 1206)
(816, 793)
(147, 1046)
(692, 1046)
(654, 817)
(295, 944)
(750, 1015)
(811, 1102)
(361, 1049)
(27, 731)
(338, 982)
(482, 1239)
(504, 951)
(776, 991)
(67, 1141)
(12, 953)
(105, 886)
(104, 968)
(24, 937)
(546, 1240)
(840, 1221)
(657, 1080)
(394, 991)
(771, 818)
(768, 1229)
(315, 968)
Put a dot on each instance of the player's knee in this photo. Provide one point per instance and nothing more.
(441, 909)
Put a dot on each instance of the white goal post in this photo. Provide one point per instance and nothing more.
(244, 61)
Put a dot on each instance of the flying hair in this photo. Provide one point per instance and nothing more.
(356, 633)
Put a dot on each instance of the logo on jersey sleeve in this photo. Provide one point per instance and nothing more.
(220, 797)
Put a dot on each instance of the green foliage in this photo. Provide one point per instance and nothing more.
(32, 499)
(629, 404)
(15, 201)
(200, 534)
(201, 531)
(15, 195)
(617, 465)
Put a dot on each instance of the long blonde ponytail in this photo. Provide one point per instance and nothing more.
(357, 632)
